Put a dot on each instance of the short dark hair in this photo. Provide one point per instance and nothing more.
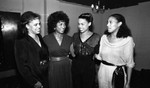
(54, 18)
(123, 31)
(26, 17)
(89, 18)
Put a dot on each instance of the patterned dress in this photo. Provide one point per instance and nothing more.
(60, 65)
(119, 54)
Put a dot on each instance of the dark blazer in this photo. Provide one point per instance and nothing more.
(28, 55)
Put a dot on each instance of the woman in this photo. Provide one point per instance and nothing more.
(116, 53)
(84, 43)
(31, 52)
(59, 47)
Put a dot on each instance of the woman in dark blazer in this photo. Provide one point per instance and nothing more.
(31, 53)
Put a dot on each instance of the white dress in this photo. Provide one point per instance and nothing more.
(119, 53)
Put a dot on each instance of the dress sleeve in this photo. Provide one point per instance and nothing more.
(129, 52)
(98, 56)
(23, 63)
(96, 48)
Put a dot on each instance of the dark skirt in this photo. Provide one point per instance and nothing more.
(60, 73)
(118, 79)
(83, 72)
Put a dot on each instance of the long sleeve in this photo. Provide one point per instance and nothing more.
(128, 53)
(97, 55)
(23, 62)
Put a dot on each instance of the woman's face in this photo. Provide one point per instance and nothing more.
(113, 25)
(60, 27)
(34, 26)
(83, 25)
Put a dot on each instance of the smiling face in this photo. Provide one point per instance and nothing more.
(113, 25)
(83, 25)
(34, 26)
(60, 27)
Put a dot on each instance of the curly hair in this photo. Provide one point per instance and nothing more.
(123, 31)
(54, 18)
(89, 18)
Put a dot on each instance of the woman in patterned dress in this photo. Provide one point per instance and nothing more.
(83, 50)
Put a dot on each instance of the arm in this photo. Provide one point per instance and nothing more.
(129, 72)
(129, 50)
(23, 62)
(99, 49)
(72, 50)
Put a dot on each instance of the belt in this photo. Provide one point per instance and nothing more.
(107, 63)
(57, 58)
(110, 64)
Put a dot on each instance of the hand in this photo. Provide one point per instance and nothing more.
(38, 85)
(127, 86)
(97, 56)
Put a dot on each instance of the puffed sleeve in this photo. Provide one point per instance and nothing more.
(128, 52)
(23, 63)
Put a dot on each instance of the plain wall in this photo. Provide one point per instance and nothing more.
(137, 18)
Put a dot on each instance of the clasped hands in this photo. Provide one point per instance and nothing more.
(38, 85)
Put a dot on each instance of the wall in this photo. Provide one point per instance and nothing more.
(11, 5)
(137, 18)
(73, 11)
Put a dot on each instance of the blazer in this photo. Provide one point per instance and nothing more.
(28, 55)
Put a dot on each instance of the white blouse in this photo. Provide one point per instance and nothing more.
(118, 53)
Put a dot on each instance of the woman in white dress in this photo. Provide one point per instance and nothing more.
(116, 54)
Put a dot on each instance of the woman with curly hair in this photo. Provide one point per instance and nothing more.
(59, 47)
